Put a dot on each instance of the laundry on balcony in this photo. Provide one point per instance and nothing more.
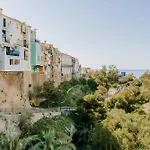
(12, 52)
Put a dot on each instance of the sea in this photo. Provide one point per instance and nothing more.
(136, 73)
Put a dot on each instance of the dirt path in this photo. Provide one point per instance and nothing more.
(112, 91)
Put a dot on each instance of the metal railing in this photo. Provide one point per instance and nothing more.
(9, 111)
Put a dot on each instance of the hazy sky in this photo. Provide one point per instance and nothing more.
(97, 32)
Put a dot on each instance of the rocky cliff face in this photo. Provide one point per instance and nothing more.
(15, 86)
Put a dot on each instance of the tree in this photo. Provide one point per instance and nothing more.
(92, 84)
(89, 109)
(83, 81)
(102, 139)
(51, 95)
(130, 131)
(107, 77)
(129, 99)
(4, 142)
(100, 93)
(25, 122)
(113, 74)
(45, 134)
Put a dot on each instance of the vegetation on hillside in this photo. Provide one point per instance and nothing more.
(100, 122)
(66, 94)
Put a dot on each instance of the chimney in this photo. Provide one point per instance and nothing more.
(1, 11)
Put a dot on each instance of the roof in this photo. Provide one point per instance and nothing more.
(66, 54)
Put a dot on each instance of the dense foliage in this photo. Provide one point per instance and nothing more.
(101, 121)
(66, 94)
(45, 134)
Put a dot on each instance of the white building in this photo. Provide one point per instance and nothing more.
(14, 44)
(76, 68)
(66, 66)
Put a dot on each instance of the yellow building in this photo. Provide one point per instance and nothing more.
(46, 49)
(55, 66)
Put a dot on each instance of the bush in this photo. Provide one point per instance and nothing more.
(52, 96)
(92, 84)
(25, 122)
(83, 81)
(74, 82)
(4, 142)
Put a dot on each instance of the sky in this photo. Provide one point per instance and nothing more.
(97, 32)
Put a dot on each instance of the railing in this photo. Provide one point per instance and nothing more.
(9, 111)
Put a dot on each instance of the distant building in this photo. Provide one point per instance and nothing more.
(46, 56)
(85, 70)
(92, 73)
(55, 66)
(66, 67)
(76, 68)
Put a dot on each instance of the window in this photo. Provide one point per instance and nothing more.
(4, 35)
(4, 22)
(41, 58)
(12, 52)
(10, 61)
(58, 60)
(16, 61)
(24, 43)
(25, 55)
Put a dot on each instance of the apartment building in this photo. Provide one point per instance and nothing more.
(20, 50)
(46, 54)
(76, 68)
(13, 55)
(36, 53)
(66, 67)
(55, 66)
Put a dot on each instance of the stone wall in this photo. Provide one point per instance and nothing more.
(11, 89)
(15, 87)
(38, 79)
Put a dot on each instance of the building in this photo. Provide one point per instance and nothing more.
(85, 71)
(12, 49)
(76, 68)
(66, 67)
(55, 66)
(21, 34)
(46, 53)
(36, 54)
(20, 50)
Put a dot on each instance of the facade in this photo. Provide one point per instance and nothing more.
(36, 54)
(76, 68)
(55, 66)
(46, 53)
(21, 34)
(12, 55)
(21, 51)
(66, 67)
